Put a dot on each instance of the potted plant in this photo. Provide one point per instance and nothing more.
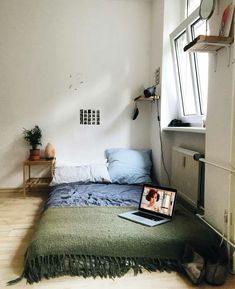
(33, 137)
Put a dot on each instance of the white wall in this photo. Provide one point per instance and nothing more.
(220, 132)
(156, 61)
(101, 48)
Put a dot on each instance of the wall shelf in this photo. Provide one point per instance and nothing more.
(210, 43)
(143, 98)
(204, 43)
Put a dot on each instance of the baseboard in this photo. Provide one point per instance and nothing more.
(11, 190)
(20, 190)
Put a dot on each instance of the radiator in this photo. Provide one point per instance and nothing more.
(187, 176)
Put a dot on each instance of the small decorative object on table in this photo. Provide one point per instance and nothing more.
(33, 137)
(49, 152)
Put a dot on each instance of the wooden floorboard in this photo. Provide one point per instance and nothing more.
(18, 217)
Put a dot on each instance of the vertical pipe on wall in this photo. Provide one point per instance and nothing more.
(231, 159)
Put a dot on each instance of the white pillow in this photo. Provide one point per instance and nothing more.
(85, 174)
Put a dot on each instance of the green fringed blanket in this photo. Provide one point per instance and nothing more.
(94, 241)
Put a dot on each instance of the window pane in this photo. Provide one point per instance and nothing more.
(185, 76)
(192, 5)
(199, 28)
(202, 66)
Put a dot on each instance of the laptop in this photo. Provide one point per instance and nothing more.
(156, 206)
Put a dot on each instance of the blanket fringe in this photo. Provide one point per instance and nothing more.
(89, 266)
(13, 282)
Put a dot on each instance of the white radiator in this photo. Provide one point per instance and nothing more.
(186, 176)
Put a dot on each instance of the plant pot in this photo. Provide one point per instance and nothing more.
(34, 154)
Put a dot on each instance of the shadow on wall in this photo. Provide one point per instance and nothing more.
(118, 121)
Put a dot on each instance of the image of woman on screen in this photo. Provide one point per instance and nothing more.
(152, 197)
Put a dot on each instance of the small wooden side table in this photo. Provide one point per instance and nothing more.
(28, 181)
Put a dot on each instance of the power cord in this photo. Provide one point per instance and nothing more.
(230, 258)
(160, 137)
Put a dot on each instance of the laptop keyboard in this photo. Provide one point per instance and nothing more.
(147, 216)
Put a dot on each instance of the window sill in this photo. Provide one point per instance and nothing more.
(191, 129)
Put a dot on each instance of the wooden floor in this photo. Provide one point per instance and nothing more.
(18, 217)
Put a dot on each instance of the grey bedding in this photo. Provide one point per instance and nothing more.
(94, 194)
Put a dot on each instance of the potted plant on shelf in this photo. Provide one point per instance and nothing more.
(33, 137)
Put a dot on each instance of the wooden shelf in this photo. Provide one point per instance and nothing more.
(39, 162)
(29, 182)
(143, 98)
(210, 43)
(38, 181)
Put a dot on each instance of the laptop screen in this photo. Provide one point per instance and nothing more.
(158, 200)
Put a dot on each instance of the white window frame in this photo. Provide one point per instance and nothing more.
(186, 26)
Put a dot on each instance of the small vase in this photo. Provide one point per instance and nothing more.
(49, 151)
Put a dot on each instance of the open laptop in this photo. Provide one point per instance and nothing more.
(156, 206)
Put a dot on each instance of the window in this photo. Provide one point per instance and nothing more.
(202, 66)
(191, 6)
(185, 76)
(191, 68)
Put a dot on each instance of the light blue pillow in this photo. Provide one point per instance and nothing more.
(129, 166)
